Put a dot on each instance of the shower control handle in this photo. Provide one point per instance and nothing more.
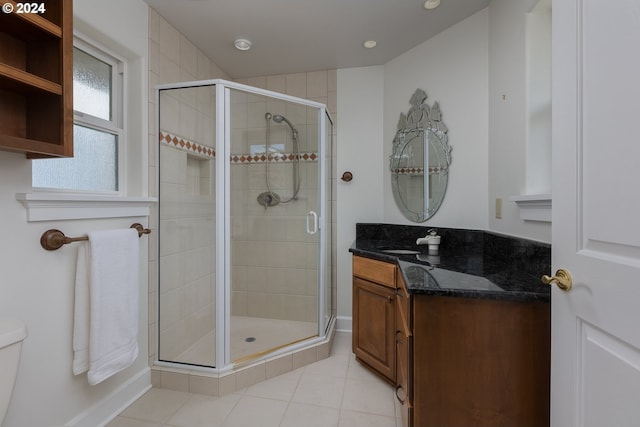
(312, 227)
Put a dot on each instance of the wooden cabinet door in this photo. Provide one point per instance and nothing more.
(404, 348)
(403, 368)
(480, 362)
(374, 327)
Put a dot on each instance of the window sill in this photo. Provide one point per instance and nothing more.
(58, 207)
(534, 207)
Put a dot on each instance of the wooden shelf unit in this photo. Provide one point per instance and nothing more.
(36, 81)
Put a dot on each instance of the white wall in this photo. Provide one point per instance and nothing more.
(466, 68)
(507, 118)
(452, 68)
(37, 285)
(359, 125)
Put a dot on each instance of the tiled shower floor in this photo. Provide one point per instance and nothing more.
(267, 334)
(334, 392)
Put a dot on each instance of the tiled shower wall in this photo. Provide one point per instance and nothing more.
(173, 58)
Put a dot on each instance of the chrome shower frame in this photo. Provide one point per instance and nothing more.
(223, 362)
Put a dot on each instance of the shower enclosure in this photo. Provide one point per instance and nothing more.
(244, 223)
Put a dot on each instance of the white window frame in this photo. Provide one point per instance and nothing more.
(54, 204)
(113, 126)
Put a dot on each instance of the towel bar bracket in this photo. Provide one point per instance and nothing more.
(54, 239)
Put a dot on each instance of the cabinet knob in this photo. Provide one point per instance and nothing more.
(389, 298)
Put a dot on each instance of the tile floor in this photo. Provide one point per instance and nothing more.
(334, 392)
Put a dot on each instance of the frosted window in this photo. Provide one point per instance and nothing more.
(91, 85)
(94, 165)
(97, 131)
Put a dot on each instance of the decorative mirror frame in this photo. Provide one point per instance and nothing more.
(421, 121)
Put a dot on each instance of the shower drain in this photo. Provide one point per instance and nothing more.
(250, 339)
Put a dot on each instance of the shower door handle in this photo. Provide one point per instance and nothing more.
(312, 227)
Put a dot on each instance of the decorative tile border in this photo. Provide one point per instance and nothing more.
(191, 147)
(182, 144)
(418, 171)
(278, 157)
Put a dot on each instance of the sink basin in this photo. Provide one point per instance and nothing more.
(400, 251)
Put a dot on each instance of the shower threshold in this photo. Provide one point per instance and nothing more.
(246, 372)
(248, 358)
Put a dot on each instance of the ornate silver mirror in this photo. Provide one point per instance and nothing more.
(420, 160)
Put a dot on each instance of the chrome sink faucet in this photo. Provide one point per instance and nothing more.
(432, 239)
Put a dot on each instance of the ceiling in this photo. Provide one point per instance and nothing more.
(291, 36)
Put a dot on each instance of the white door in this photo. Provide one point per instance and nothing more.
(595, 375)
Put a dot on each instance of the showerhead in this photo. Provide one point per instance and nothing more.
(270, 198)
(279, 119)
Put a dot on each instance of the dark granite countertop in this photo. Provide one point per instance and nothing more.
(469, 263)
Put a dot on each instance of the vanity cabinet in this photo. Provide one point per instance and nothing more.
(36, 79)
(374, 315)
(459, 361)
(475, 362)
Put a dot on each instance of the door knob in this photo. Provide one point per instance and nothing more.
(562, 279)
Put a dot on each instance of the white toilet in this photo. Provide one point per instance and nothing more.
(12, 332)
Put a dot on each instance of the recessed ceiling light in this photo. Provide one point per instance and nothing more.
(431, 4)
(242, 44)
(370, 44)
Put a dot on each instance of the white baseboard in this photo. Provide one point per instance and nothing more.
(343, 324)
(106, 410)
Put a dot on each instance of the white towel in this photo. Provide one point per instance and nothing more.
(105, 334)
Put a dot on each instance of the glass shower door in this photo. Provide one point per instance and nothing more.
(187, 216)
(274, 185)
